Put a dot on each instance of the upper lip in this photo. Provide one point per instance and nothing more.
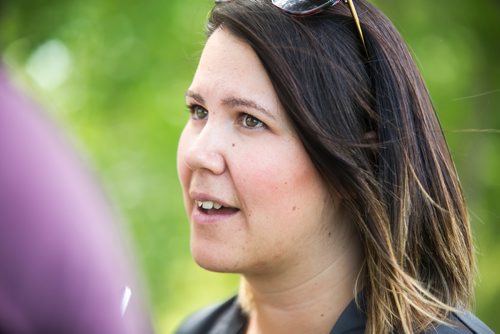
(198, 196)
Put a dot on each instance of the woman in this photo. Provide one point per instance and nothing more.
(313, 165)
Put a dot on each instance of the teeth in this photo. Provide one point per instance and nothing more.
(208, 205)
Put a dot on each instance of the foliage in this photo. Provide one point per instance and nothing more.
(113, 73)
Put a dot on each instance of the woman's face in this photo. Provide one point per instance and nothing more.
(254, 200)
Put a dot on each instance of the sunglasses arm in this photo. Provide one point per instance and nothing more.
(356, 19)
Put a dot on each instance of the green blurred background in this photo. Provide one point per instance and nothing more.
(113, 74)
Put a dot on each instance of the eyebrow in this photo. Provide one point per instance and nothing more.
(197, 97)
(233, 102)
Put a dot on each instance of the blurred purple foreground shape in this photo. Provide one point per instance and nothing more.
(63, 264)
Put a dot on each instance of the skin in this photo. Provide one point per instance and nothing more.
(295, 248)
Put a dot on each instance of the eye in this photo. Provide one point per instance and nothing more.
(198, 113)
(251, 122)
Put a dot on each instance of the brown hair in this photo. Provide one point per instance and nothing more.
(369, 126)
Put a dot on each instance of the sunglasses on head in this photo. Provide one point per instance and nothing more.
(311, 7)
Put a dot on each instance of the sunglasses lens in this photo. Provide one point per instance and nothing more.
(303, 7)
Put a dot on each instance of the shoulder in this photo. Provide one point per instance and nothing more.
(463, 322)
(225, 317)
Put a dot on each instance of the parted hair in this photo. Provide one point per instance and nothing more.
(366, 119)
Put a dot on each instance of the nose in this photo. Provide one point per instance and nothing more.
(205, 151)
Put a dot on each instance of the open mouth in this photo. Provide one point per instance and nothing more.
(214, 208)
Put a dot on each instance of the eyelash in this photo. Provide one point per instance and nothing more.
(241, 117)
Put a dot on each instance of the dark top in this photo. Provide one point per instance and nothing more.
(227, 318)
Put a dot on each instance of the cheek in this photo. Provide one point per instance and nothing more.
(183, 171)
(280, 184)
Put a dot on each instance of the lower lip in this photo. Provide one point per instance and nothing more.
(200, 217)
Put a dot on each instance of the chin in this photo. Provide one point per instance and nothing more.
(217, 260)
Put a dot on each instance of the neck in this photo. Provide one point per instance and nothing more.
(309, 300)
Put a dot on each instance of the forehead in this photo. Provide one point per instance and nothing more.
(224, 52)
(228, 65)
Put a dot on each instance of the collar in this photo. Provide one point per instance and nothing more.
(351, 321)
